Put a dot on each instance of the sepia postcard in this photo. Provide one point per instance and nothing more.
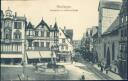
(63, 40)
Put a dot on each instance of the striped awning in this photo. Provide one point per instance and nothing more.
(11, 56)
(33, 55)
(45, 54)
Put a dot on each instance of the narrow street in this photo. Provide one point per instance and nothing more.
(98, 73)
(91, 73)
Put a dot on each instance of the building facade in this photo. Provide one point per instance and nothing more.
(41, 39)
(110, 45)
(108, 12)
(12, 37)
(123, 23)
(65, 44)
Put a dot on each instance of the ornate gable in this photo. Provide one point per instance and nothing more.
(42, 24)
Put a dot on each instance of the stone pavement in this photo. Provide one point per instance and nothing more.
(75, 72)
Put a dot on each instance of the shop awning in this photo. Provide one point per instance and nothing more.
(45, 54)
(10, 55)
(33, 55)
(63, 53)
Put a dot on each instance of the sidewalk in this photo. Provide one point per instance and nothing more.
(110, 74)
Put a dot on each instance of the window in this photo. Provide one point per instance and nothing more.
(30, 32)
(17, 25)
(63, 40)
(48, 34)
(62, 47)
(7, 23)
(42, 44)
(36, 33)
(30, 43)
(121, 33)
(104, 50)
(125, 33)
(126, 18)
(7, 36)
(7, 33)
(47, 44)
(113, 51)
(17, 35)
(36, 44)
(42, 33)
(67, 47)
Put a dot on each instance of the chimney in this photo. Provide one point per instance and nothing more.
(15, 14)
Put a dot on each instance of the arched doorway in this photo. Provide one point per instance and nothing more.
(108, 57)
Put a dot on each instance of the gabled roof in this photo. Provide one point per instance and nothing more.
(43, 23)
(29, 26)
(114, 26)
(68, 33)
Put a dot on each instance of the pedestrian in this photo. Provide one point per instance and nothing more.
(107, 71)
(101, 68)
(83, 77)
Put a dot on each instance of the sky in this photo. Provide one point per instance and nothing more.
(78, 15)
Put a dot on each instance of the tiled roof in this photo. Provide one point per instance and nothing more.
(114, 26)
(69, 33)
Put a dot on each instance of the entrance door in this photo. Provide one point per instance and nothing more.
(108, 57)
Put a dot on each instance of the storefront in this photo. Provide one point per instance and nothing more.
(65, 57)
(38, 56)
(11, 58)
